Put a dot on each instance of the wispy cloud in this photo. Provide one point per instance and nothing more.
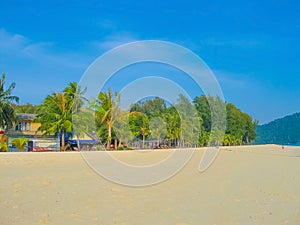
(46, 53)
(39, 65)
(11, 41)
(114, 40)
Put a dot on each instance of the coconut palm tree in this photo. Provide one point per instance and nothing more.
(57, 110)
(105, 106)
(74, 96)
(7, 115)
(55, 116)
(80, 116)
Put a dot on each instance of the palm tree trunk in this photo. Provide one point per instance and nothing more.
(143, 144)
(116, 144)
(63, 141)
(109, 136)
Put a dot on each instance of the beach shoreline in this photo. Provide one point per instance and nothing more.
(245, 185)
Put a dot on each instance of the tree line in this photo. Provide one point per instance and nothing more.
(182, 124)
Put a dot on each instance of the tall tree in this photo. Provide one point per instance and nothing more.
(139, 125)
(7, 115)
(105, 106)
(203, 108)
(157, 128)
(190, 124)
(56, 116)
(121, 128)
(57, 110)
(81, 117)
(74, 95)
(172, 120)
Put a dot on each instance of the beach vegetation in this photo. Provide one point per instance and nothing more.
(139, 125)
(20, 143)
(183, 124)
(56, 112)
(7, 113)
(104, 106)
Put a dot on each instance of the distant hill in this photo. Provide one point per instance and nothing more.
(281, 131)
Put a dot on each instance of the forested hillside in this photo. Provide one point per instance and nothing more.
(281, 131)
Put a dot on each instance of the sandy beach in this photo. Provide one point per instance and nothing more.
(245, 185)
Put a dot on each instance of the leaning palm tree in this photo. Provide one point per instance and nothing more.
(55, 116)
(105, 106)
(80, 116)
(7, 116)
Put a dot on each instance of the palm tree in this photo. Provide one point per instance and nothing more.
(74, 95)
(7, 115)
(104, 107)
(20, 143)
(80, 117)
(57, 110)
(56, 116)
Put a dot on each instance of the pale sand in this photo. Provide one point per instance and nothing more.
(245, 185)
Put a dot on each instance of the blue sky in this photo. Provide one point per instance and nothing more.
(251, 46)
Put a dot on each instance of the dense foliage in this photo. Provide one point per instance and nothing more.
(186, 123)
(20, 143)
(281, 131)
(56, 112)
(7, 114)
(188, 127)
(26, 108)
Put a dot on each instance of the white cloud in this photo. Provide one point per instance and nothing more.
(11, 41)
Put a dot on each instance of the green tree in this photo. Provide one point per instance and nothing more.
(139, 125)
(26, 108)
(7, 115)
(121, 128)
(172, 120)
(240, 126)
(57, 110)
(157, 128)
(190, 124)
(151, 107)
(105, 106)
(3, 147)
(20, 143)
(56, 116)
(81, 117)
(74, 96)
(203, 109)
